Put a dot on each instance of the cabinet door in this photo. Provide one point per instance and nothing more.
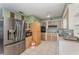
(28, 42)
(52, 22)
(54, 36)
(43, 36)
(49, 37)
(37, 37)
(36, 27)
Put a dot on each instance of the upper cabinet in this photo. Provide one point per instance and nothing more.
(52, 22)
(56, 22)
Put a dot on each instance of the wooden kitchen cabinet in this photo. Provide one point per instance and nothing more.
(37, 37)
(43, 36)
(52, 36)
(49, 37)
(36, 32)
(35, 28)
(52, 22)
(28, 42)
(60, 24)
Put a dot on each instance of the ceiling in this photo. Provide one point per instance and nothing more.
(38, 9)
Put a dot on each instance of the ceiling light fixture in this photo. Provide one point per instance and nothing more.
(48, 16)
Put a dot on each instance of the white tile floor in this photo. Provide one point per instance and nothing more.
(67, 47)
(61, 47)
(45, 48)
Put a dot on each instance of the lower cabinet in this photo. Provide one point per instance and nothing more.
(28, 42)
(14, 49)
(37, 38)
(51, 36)
(43, 36)
(54, 36)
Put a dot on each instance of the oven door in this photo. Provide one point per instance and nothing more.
(43, 29)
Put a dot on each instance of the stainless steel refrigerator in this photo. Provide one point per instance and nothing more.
(13, 36)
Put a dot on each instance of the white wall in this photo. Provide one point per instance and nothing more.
(74, 18)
